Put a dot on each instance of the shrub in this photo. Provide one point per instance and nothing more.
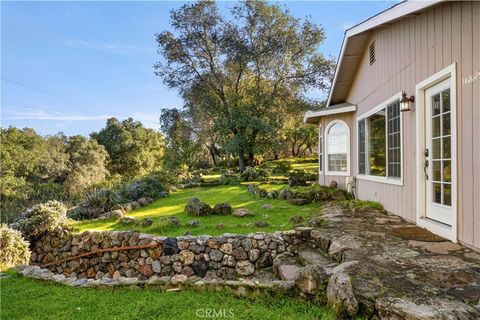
(282, 167)
(300, 178)
(13, 248)
(150, 186)
(41, 218)
(94, 204)
(229, 178)
(252, 174)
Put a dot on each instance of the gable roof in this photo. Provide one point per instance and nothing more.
(356, 40)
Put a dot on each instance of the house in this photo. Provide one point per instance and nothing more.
(402, 122)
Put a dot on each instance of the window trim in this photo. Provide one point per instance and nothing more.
(367, 177)
(320, 149)
(325, 162)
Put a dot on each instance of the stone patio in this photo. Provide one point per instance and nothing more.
(390, 277)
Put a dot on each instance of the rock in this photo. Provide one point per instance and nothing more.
(116, 214)
(226, 248)
(134, 205)
(174, 221)
(265, 261)
(262, 193)
(222, 208)
(216, 255)
(188, 271)
(128, 220)
(240, 254)
(288, 271)
(163, 194)
(267, 206)
(127, 207)
(200, 267)
(196, 208)
(116, 275)
(344, 243)
(187, 257)
(59, 278)
(146, 270)
(178, 279)
(228, 261)
(170, 246)
(261, 224)
(285, 194)
(146, 222)
(333, 184)
(296, 219)
(143, 201)
(244, 268)
(436, 247)
(272, 194)
(428, 309)
(156, 266)
(340, 296)
(193, 223)
(99, 275)
(299, 201)
(253, 255)
(243, 212)
(311, 280)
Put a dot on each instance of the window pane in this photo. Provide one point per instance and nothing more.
(447, 194)
(337, 147)
(436, 105)
(361, 147)
(320, 149)
(437, 192)
(436, 126)
(446, 147)
(394, 147)
(436, 148)
(446, 100)
(377, 144)
(436, 170)
(446, 124)
(447, 171)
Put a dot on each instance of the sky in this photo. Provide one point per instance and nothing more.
(68, 66)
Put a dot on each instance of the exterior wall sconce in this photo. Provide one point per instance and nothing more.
(405, 102)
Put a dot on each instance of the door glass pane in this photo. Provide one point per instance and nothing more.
(446, 100)
(377, 144)
(446, 124)
(447, 194)
(446, 147)
(437, 192)
(436, 104)
(436, 148)
(436, 171)
(436, 126)
(447, 171)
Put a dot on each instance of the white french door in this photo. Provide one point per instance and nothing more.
(439, 155)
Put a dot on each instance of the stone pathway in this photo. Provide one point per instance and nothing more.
(389, 277)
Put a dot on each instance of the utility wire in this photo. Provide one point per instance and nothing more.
(28, 87)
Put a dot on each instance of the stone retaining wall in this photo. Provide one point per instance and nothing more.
(225, 257)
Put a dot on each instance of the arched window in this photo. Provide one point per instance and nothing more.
(337, 145)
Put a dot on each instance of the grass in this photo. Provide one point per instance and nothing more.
(361, 204)
(237, 195)
(23, 298)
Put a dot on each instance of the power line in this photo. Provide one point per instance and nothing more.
(28, 87)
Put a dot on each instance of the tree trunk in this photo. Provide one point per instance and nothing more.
(251, 159)
(276, 156)
(241, 162)
(229, 160)
(211, 150)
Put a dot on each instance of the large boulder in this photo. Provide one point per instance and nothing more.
(285, 194)
(340, 296)
(311, 280)
(243, 212)
(222, 208)
(244, 268)
(299, 201)
(197, 208)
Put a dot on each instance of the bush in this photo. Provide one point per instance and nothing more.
(150, 186)
(300, 178)
(282, 167)
(229, 178)
(252, 174)
(94, 204)
(13, 248)
(41, 218)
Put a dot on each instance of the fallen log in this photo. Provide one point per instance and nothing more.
(102, 250)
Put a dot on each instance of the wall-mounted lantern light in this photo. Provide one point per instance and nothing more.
(405, 102)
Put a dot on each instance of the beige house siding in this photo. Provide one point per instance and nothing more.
(408, 51)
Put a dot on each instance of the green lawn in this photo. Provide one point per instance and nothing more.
(23, 298)
(237, 195)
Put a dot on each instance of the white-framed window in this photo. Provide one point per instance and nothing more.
(337, 148)
(320, 148)
(379, 140)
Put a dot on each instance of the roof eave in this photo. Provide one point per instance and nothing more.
(313, 117)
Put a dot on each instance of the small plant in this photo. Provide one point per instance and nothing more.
(13, 248)
(361, 204)
(41, 218)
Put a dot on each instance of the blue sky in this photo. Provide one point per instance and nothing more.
(68, 66)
